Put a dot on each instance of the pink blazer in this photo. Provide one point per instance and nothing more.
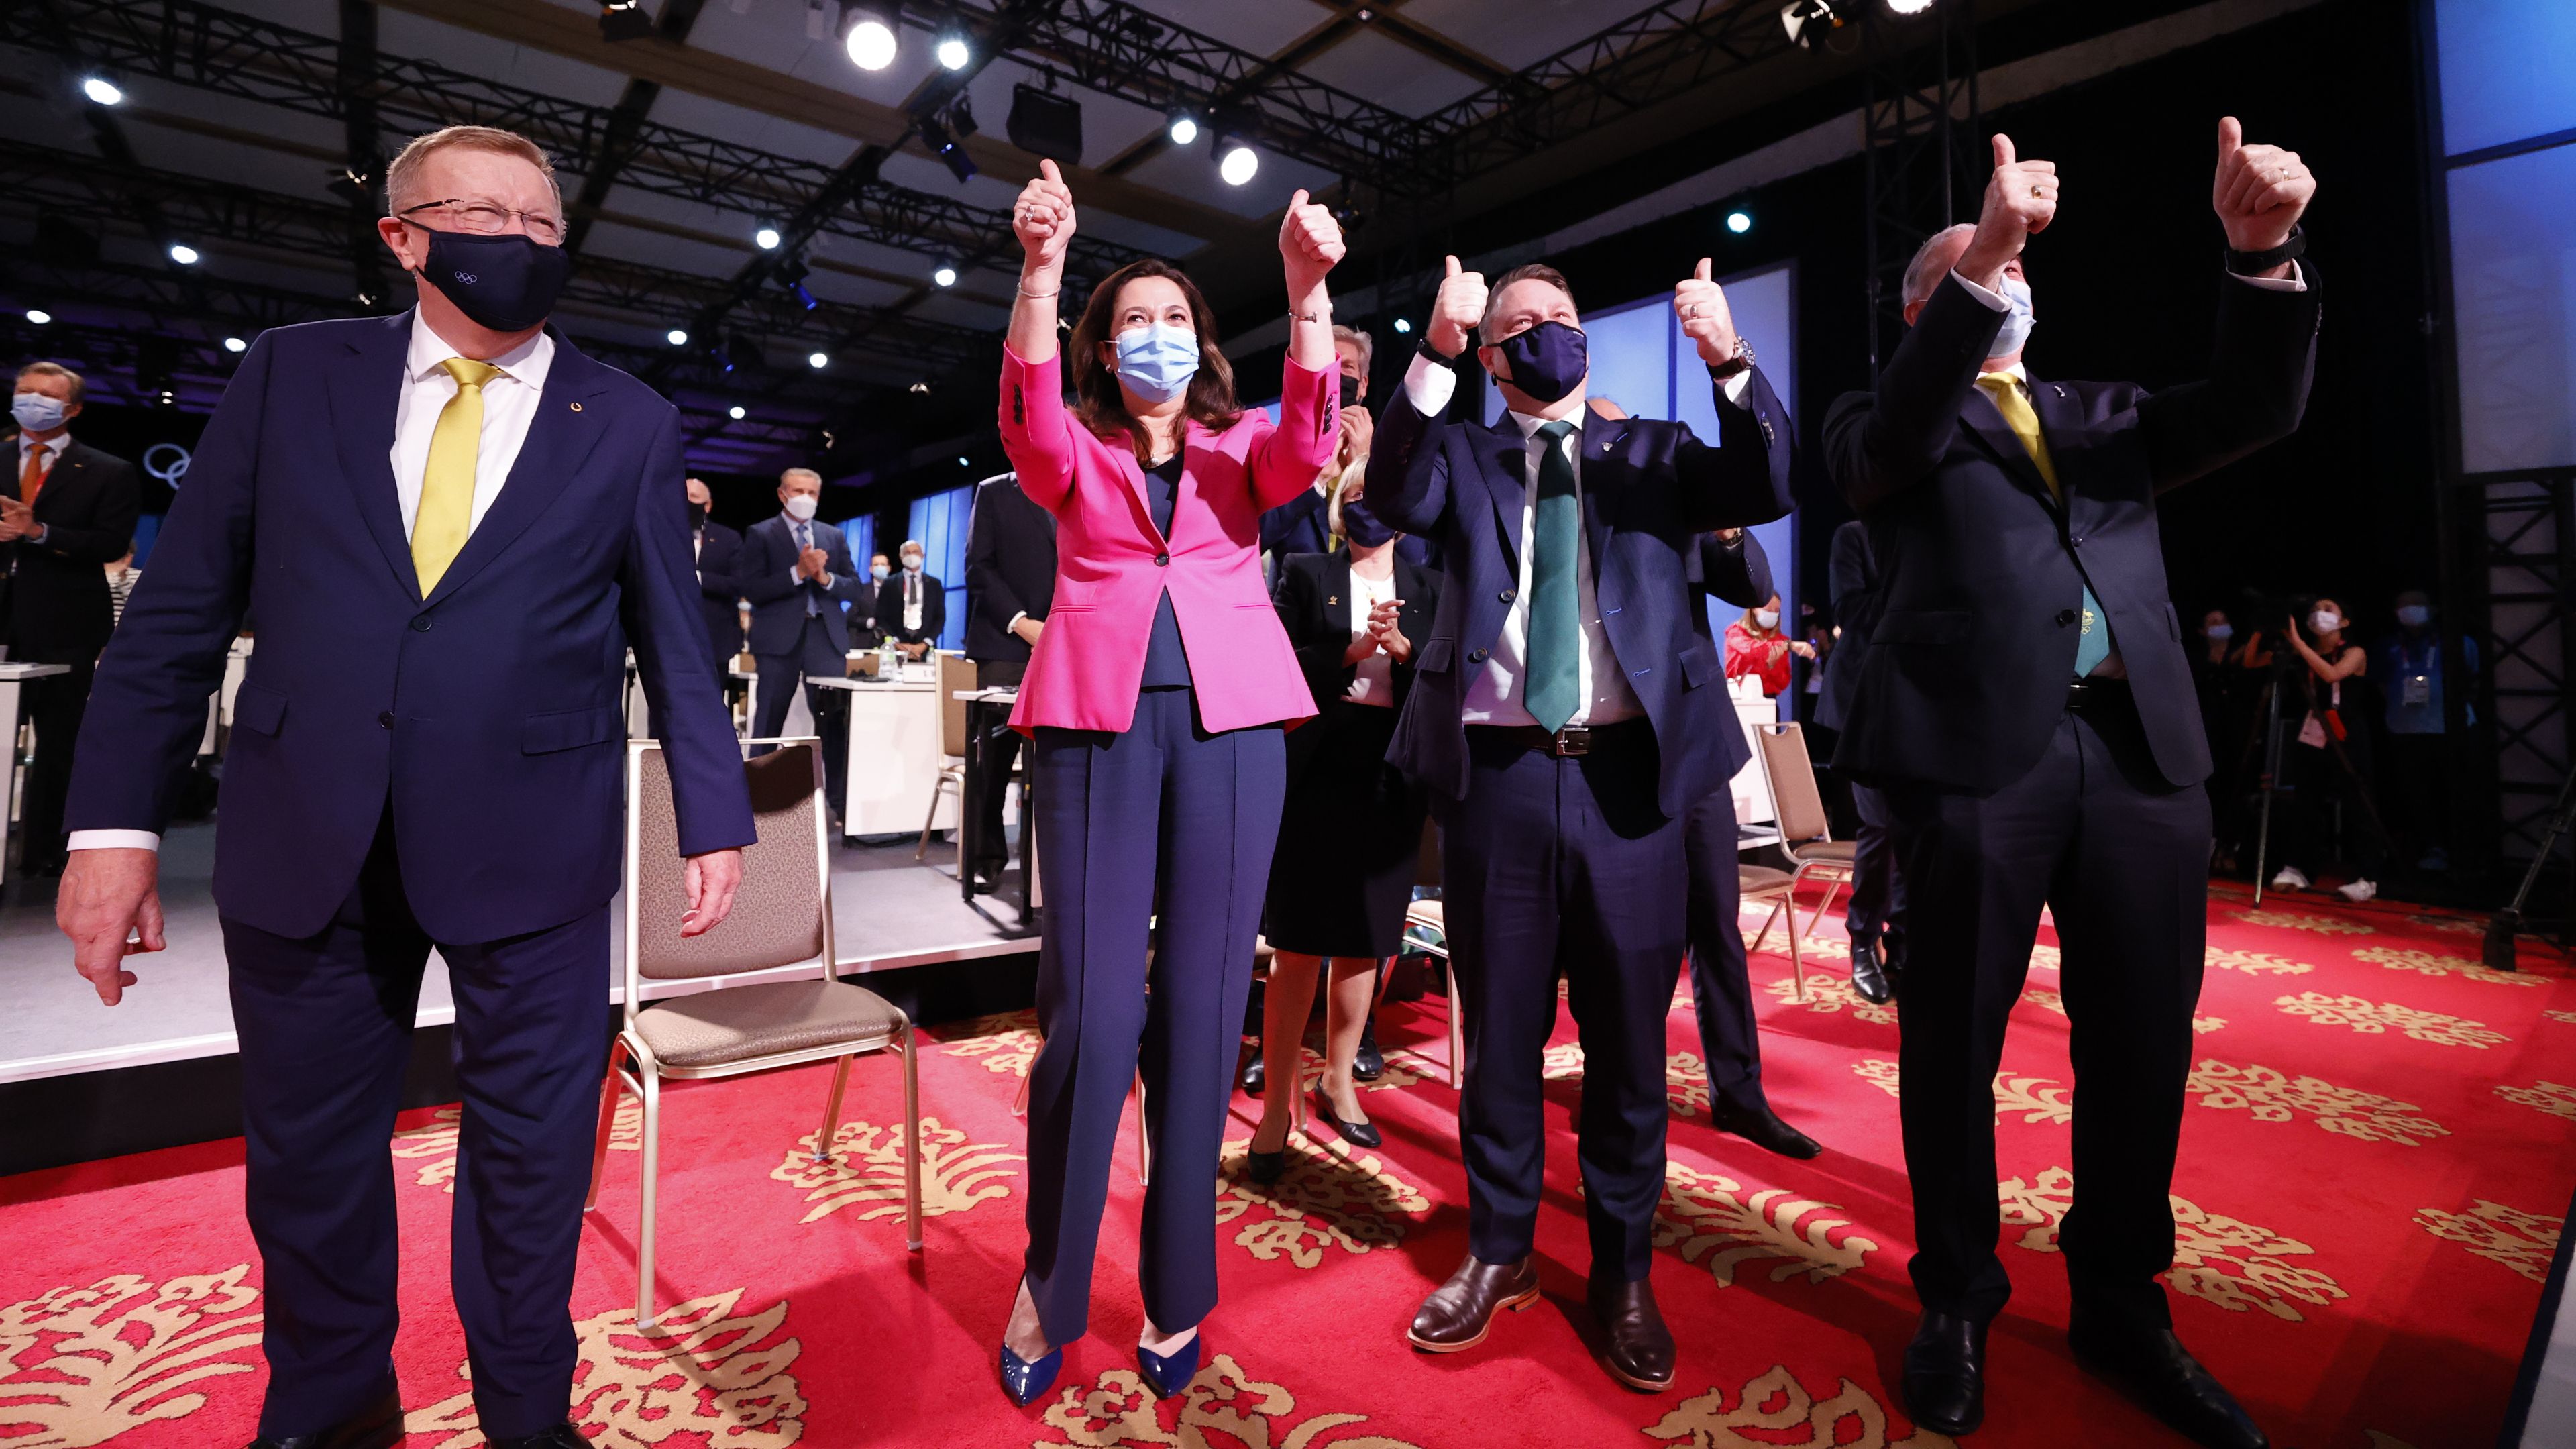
(1112, 567)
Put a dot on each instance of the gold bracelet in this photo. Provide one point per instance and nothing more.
(1325, 316)
(1037, 296)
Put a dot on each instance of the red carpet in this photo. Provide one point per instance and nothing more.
(2372, 1159)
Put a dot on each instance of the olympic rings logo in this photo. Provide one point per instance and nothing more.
(167, 462)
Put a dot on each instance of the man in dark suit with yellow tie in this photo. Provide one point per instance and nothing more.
(2025, 706)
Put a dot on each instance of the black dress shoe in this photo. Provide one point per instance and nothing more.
(1639, 1349)
(2153, 1367)
(1358, 1134)
(1763, 1128)
(1869, 974)
(1256, 1075)
(561, 1436)
(1370, 1064)
(378, 1426)
(1945, 1374)
(1460, 1312)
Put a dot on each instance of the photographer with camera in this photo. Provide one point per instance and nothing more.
(2328, 761)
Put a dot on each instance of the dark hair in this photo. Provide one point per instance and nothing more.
(1097, 399)
(1525, 272)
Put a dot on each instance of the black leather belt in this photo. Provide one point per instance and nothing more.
(1571, 742)
(2098, 693)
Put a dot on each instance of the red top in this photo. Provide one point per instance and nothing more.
(1765, 656)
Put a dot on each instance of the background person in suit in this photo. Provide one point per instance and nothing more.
(1731, 567)
(1010, 580)
(716, 548)
(870, 634)
(1565, 716)
(2025, 705)
(912, 606)
(1155, 703)
(1350, 838)
(68, 510)
(415, 765)
(1874, 916)
(796, 572)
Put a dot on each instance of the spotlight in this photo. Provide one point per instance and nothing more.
(953, 50)
(767, 237)
(962, 463)
(623, 20)
(1806, 20)
(1739, 222)
(1909, 7)
(676, 337)
(1403, 328)
(818, 360)
(103, 91)
(39, 316)
(1236, 160)
(1181, 126)
(184, 254)
(871, 43)
(235, 344)
(946, 276)
(735, 412)
(946, 146)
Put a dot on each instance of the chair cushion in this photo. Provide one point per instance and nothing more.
(1756, 879)
(1425, 913)
(1823, 851)
(770, 1018)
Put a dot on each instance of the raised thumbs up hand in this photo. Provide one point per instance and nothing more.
(1310, 243)
(1042, 218)
(2021, 200)
(1700, 306)
(2260, 192)
(1457, 310)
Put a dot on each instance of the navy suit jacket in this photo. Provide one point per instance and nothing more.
(1852, 577)
(765, 574)
(1982, 572)
(719, 551)
(1650, 490)
(488, 718)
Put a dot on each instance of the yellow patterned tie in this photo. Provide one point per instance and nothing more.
(447, 489)
(2014, 404)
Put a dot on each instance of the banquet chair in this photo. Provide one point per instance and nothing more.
(782, 917)
(1426, 929)
(956, 676)
(1805, 831)
(1761, 883)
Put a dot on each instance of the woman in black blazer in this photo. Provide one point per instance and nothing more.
(1351, 834)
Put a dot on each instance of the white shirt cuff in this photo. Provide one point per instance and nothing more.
(1015, 621)
(1991, 299)
(1429, 386)
(113, 840)
(2296, 281)
(1734, 386)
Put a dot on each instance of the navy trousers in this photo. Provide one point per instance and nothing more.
(1167, 817)
(813, 658)
(325, 1025)
(1721, 977)
(2121, 859)
(1564, 866)
(1877, 905)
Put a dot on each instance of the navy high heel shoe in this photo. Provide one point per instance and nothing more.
(1027, 1380)
(1167, 1376)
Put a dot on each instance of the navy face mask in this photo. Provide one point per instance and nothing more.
(1350, 391)
(507, 283)
(1363, 528)
(1548, 360)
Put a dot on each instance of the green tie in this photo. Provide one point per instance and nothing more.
(1556, 617)
(2094, 644)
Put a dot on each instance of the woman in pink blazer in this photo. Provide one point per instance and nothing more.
(1155, 697)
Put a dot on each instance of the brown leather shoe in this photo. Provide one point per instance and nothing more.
(1460, 1312)
(1637, 1348)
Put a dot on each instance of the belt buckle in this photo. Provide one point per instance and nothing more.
(1571, 742)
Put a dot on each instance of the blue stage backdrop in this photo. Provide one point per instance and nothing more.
(939, 524)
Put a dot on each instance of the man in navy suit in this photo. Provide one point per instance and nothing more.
(2025, 705)
(1875, 915)
(1565, 716)
(717, 548)
(796, 572)
(451, 526)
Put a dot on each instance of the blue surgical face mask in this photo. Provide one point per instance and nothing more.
(2018, 319)
(1363, 528)
(880, 572)
(2413, 616)
(1157, 361)
(2221, 632)
(36, 412)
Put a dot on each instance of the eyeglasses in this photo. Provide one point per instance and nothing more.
(485, 219)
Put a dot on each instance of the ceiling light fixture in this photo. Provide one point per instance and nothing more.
(872, 42)
(676, 337)
(946, 276)
(1181, 126)
(103, 91)
(1236, 161)
(953, 50)
(735, 412)
(235, 344)
(818, 360)
(767, 237)
(1403, 327)
(1739, 222)
(39, 316)
(184, 254)
(623, 20)
(1909, 7)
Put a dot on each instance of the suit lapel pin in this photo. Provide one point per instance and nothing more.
(1330, 602)
(576, 407)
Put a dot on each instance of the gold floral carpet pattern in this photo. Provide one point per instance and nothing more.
(2379, 1134)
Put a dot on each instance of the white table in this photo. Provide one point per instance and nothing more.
(895, 756)
(13, 678)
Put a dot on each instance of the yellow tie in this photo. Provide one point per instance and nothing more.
(2014, 403)
(447, 488)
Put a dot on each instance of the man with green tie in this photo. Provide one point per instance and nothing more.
(2025, 709)
(1565, 717)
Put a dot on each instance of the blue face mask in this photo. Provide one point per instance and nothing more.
(1547, 361)
(1158, 361)
(36, 412)
(2414, 616)
(1363, 528)
(2018, 319)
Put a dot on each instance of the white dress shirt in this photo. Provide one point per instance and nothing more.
(1494, 694)
(509, 406)
(912, 599)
